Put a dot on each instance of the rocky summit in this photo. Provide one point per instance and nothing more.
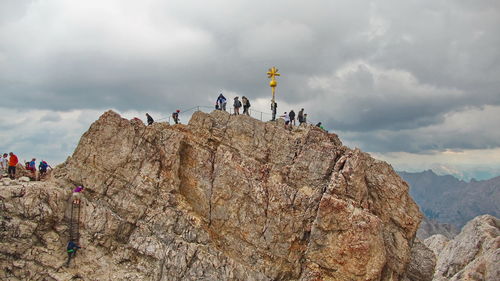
(222, 198)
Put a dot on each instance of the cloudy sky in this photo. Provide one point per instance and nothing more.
(415, 83)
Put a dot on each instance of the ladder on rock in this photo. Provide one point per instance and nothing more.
(74, 222)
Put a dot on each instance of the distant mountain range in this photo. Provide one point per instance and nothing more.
(449, 200)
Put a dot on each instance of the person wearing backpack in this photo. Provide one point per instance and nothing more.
(71, 249)
(175, 116)
(150, 119)
(42, 168)
(246, 105)
(221, 102)
(292, 117)
(236, 105)
(300, 116)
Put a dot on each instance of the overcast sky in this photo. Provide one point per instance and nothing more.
(415, 83)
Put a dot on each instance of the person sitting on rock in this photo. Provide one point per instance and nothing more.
(77, 195)
(71, 250)
(150, 119)
(175, 116)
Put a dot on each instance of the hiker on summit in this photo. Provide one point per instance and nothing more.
(287, 120)
(246, 105)
(150, 119)
(4, 165)
(221, 102)
(319, 125)
(300, 116)
(32, 167)
(236, 105)
(274, 106)
(12, 165)
(292, 117)
(175, 116)
(42, 168)
(71, 249)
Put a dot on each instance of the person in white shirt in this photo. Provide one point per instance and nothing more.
(4, 164)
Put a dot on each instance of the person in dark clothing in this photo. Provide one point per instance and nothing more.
(319, 125)
(221, 102)
(246, 105)
(71, 249)
(300, 116)
(292, 117)
(150, 119)
(175, 116)
(274, 106)
(237, 106)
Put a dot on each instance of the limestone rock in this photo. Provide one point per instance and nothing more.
(430, 227)
(472, 255)
(422, 263)
(222, 198)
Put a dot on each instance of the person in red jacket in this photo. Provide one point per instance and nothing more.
(12, 165)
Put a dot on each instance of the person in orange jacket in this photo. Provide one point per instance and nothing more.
(12, 165)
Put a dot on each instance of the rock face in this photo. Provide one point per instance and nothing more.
(430, 227)
(223, 198)
(422, 263)
(473, 255)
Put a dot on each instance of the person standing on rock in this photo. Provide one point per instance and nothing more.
(4, 165)
(221, 102)
(274, 107)
(300, 116)
(12, 165)
(150, 119)
(287, 120)
(292, 117)
(32, 167)
(237, 106)
(246, 105)
(175, 116)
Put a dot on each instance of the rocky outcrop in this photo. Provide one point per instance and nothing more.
(422, 263)
(223, 198)
(430, 227)
(473, 255)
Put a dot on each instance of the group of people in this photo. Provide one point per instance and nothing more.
(290, 118)
(221, 102)
(8, 166)
(175, 117)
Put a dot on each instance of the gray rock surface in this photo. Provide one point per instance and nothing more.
(223, 198)
(473, 255)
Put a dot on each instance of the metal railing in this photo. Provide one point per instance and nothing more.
(257, 114)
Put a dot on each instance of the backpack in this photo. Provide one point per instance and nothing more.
(248, 103)
(27, 165)
(237, 103)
